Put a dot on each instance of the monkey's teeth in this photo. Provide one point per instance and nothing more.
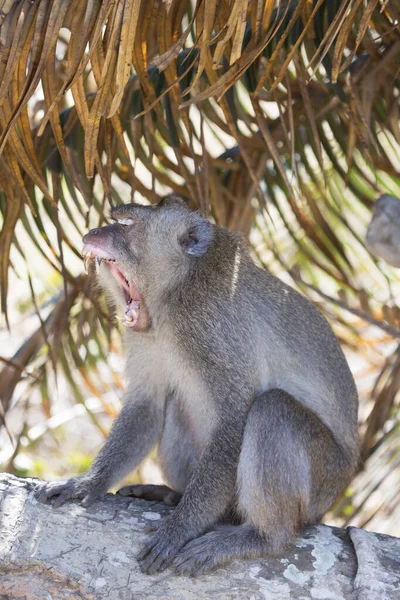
(97, 263)
(123, 320)
(131, 315)
(86, 261)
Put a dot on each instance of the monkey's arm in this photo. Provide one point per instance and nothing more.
(135, 432)
(208, 495)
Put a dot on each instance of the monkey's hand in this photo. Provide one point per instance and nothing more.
(77, 488)
(164, 545)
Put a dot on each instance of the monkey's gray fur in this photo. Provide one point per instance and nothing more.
(236, 377)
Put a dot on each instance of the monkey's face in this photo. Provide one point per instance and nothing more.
(148, 250)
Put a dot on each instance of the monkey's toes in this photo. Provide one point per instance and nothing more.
(198, 557)
(153, 526)
(192, 567)
(155, 493)
(153, 558)
(158, 554)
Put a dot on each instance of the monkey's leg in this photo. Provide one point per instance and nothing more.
(157, 493)
(135, 432)
(208, 495)
(290, 471)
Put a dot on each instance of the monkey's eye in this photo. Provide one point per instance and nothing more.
(126, 221)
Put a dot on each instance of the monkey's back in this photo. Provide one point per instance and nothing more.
(300, 353)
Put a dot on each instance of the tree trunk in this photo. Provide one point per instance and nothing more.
(72, 552)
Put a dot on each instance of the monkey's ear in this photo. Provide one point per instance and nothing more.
(173, 200)
(197, 238)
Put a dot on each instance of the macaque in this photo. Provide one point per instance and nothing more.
(235, 377)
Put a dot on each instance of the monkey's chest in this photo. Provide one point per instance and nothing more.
(188, 426)
(190, 413)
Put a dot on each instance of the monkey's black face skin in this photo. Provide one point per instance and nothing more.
(98, 248)
(147, 250)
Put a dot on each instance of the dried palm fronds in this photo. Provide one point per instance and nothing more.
(280, 118)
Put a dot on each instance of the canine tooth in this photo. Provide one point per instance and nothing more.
(97, 263)
(125, 319)
(86, 261)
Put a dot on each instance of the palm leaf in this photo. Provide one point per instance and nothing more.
(280, 119)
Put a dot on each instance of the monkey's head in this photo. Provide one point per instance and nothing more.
(148, 250)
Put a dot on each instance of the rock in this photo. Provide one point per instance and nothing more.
(76, 553)
(383, 235)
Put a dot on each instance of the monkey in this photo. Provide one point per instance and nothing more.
(235, 377)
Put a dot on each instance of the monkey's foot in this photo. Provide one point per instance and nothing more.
(75, 488)
(164, 545)
(218, 547)
(157, 493)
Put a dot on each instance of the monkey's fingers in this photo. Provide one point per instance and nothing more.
(44, 491)
(63, 497)
(72, 489)
(90, 498)
(157, 493)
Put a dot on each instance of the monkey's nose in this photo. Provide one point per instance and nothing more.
(86, 238)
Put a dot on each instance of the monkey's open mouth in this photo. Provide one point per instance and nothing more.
(92, 253)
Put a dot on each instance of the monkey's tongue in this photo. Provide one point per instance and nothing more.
(132, 313)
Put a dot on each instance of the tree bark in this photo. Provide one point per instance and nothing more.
(72, 552)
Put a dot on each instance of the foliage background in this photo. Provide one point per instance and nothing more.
(278, 118)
